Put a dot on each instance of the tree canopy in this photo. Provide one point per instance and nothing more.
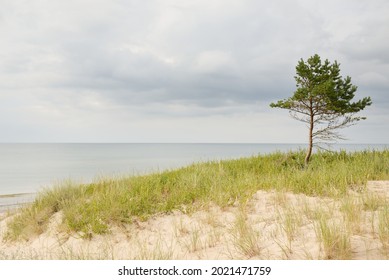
(323, 100)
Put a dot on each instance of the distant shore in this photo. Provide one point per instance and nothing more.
(14, 201)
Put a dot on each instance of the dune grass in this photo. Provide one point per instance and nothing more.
(245, 237)
(90, 209)
(335, 240)
(383, 226)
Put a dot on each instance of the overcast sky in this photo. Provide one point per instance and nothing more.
(181, 71)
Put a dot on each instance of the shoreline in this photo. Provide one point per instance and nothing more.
(14, 201)
(15, 194)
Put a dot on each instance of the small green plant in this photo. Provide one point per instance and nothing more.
(245, 238)
(290, 222)
(156, 252)
(383, 226)
(280, 199)
(373, 201)
(193, 242)
(180, 228)
(310, 212)
(214, 236)
(352, 210)
(335, 240)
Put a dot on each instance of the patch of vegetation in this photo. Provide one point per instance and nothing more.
(245, 238)
(92, 208)
(335, 240)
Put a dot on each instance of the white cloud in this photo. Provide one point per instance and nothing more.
(214, 62)
(170, 70)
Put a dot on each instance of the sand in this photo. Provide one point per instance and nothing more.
(270, 226)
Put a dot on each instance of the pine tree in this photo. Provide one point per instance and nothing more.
(323, 100)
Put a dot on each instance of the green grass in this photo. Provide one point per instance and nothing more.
(245, 239)
(92, 208)
(335, 240)
(383, 226)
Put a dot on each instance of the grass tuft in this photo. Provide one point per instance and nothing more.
(245, 238)
(335, 240)
(383, 226)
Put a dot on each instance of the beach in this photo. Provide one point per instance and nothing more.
(271, 225)
(14, 201)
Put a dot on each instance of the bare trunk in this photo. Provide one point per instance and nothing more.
(309, 150)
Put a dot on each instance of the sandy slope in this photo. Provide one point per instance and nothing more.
(271, 226)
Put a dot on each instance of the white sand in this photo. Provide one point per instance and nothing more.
(271, 226)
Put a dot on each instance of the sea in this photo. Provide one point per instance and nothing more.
(26, 169)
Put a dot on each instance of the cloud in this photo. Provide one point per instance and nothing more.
(124, 61)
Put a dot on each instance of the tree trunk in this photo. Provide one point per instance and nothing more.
(309, 150)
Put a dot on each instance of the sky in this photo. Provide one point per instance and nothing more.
(191, 71)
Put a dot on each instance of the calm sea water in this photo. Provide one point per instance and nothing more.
(27, 168)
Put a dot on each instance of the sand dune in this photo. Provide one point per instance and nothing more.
(270, 226)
